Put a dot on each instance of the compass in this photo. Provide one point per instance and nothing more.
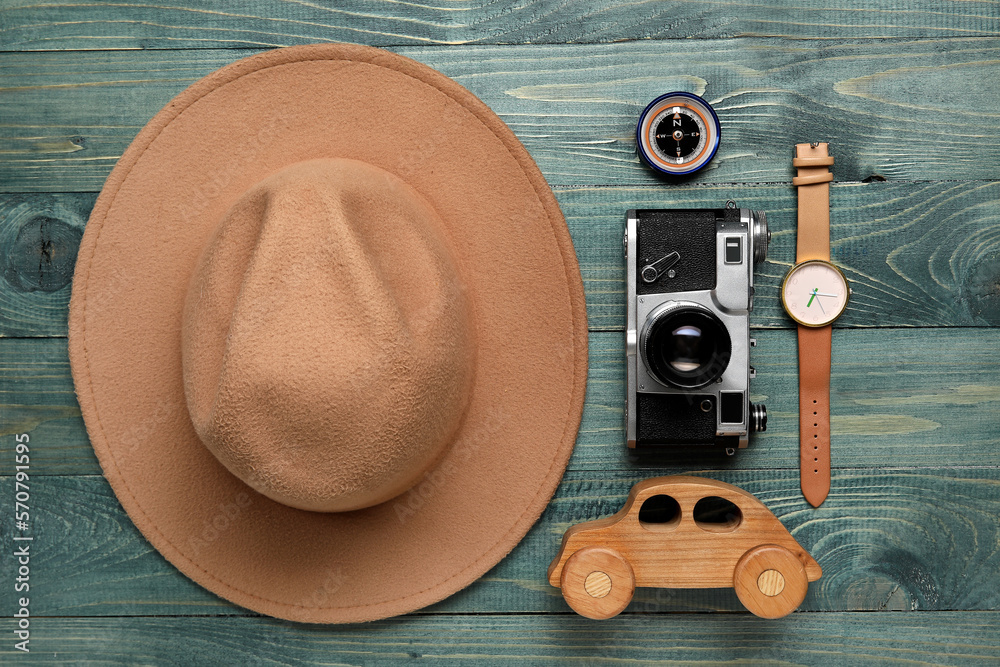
(678, 134)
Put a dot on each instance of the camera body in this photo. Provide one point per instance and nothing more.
(689, 293)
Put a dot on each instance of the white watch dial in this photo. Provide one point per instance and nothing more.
(815, 293)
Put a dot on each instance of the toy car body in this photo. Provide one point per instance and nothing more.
(656, 541)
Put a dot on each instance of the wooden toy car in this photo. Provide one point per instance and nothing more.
(683, 532)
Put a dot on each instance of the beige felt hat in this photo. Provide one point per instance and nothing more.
(328, 334)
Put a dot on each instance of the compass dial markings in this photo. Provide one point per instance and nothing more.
(678, 133)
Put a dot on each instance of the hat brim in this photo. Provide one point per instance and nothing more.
(153, 218)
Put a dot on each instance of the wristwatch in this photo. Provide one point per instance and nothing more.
(814, 293)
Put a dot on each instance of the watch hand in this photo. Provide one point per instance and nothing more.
(820, 306)
(812, 296)
(825, 294)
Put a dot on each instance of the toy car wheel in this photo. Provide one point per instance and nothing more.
(597, 582)
(770, 581)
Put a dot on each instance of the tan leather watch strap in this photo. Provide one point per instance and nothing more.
(813, 183)
(813, 242)
(814, 413)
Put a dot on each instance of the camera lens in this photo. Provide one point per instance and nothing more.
(685, 346)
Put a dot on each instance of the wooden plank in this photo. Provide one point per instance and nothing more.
(886, 540)
(919, 110)
(900, 398)
(37, 398)
(193, 24)
(933, 638)
(918, 254)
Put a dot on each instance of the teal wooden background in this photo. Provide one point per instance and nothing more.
(907, 93)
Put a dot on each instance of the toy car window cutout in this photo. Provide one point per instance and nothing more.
(659, 512)
(717, 515)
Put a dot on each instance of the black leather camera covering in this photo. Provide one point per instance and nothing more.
(691, 233)
(675, 419)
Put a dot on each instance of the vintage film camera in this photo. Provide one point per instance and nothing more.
(689, 292)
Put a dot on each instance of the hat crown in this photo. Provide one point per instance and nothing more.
(327, 343)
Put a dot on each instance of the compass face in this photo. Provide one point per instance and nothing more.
(678, 133)
(815, 293)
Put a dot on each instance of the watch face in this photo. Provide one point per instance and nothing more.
(815, 293)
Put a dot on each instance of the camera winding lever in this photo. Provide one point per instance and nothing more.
(652, 271)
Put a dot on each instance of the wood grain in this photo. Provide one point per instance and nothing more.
(933, 638)
(899, 398)
(39, 238)
(910, 110)
(191, 24)
(597, 582)
(886, 540)
(918, 254)
(770, 581)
